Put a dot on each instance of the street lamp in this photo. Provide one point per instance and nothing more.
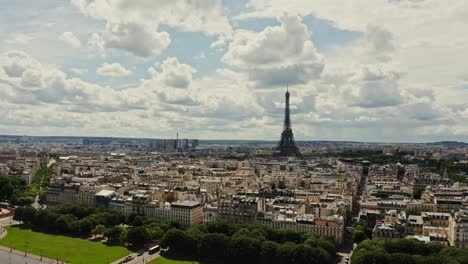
(26, 249)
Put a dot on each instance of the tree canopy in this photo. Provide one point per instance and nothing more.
(407, 251)
(220, 242)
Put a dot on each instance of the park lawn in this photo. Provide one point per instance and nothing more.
(163, 260)
(68, 249)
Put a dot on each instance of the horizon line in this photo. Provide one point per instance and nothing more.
(266, 140)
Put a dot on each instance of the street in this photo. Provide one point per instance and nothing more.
(6, 221)
(9, 258)
(145, 258)
(346, 251)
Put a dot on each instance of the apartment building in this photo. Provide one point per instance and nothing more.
(187, 213)
(238, 210)
(458, 229)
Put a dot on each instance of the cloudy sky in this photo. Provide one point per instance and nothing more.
(369, 70)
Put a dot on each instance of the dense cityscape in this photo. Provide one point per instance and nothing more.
(346, 192)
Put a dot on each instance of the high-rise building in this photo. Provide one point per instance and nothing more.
(287, 146)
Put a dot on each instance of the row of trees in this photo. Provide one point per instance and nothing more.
(42, 180)
(85, 221)
(219, 242)
(17, 192)
(407, 251)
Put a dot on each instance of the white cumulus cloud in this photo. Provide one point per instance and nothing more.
(133, 25)
(71, 39)
(279, 55)
(140, 40)
(113, 70)
(173, 73)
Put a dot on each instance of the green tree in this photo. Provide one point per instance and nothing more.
(220, 227)
(64, 223)
(322, 243)
(320, 256)
(123, 236)
(214, 248)
(6, 188)
(24, 200)
(40, 218)
(74, 227)
(138, 235)
(244, 249)
(114, 233)
(98, 230)
(286, 252)
(359, 236)
(18, 214)
(29, 214)
(305, 254)
(401, 258)
(268, 252)
(179, 244)
(51, 218)
(85, 227)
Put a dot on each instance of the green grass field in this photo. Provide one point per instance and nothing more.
(162, 260)
(73, 250)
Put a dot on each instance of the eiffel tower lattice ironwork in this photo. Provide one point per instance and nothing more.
(287, 146)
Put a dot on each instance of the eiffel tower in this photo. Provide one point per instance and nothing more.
(287, 146)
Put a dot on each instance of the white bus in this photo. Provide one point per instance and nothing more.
(153, 250)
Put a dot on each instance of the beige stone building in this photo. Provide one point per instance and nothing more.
(458, 229)
(187, 213)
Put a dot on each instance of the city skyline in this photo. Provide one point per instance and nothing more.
(371, 71)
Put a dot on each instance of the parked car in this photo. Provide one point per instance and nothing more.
(128, 258)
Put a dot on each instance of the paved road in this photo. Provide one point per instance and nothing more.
(51, 161)
(5, 221)
(9, 258)
(346, 249)
(145, 258)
